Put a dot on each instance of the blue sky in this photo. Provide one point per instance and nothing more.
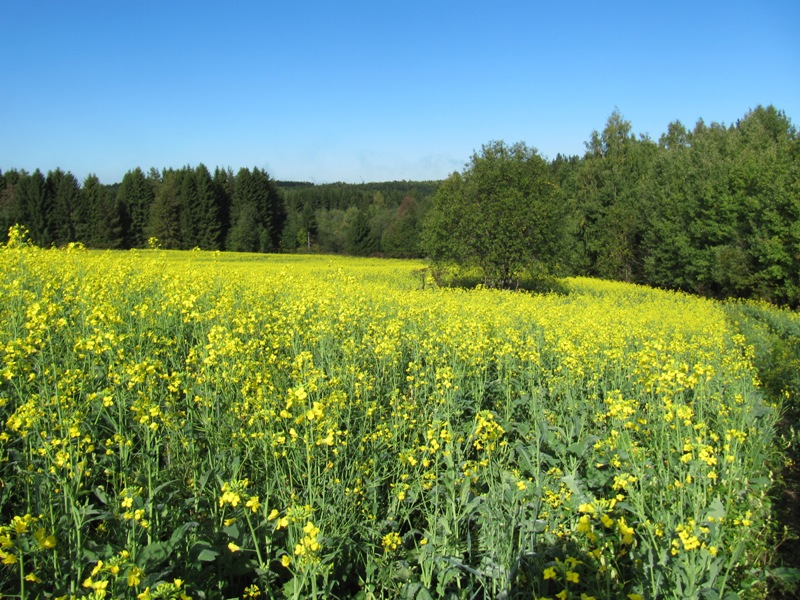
(371, 91)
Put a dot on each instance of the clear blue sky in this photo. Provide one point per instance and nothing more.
(372, 91)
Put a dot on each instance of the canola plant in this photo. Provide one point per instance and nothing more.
(206, 425)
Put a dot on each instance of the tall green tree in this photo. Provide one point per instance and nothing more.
(223, 191)
(136, 196)
(502, 214)
(106, 215)
(208, 210)
(765, 182)
(35, 207)
(257, 214)
(9, 206)
(360, 239)
(64, 190)
(189, 212)
(611, 177)
(726, 210)
(166, 220)
(401, 237)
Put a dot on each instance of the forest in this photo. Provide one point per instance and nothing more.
(712, 210)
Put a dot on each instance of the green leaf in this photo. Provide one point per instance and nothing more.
(415, 591)
(232, 531)
(101, 495)
(572, 484)
(152, 555)
(207, 555)
(203, 552)
(179, 533)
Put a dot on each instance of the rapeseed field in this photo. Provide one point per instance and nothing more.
(206, 425)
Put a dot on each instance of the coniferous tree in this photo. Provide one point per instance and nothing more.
(64, 192)
(83, 215)
(401, 237)
(136, 197)
(165, 214)
(255, 209)
(106, 221)
(208, 224)
(277, 214)
(223, 192)
(246, 230)
(35, 207)
(188, 209)
(360, 239)
(9, 206)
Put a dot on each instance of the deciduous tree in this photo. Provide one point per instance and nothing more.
(502, 214)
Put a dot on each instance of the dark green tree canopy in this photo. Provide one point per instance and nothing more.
(502, 214)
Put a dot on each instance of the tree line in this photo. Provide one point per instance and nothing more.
(712, 210)
(193, 208)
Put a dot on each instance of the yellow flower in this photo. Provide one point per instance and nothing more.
(43, 540)
(233, 547)
(391, 541)
(572, 576)
(626, 530)
(286, 560)
(135, 576)
(95, 585)
(20, 525)
(550, 573)
(253, 504)
(252, 591)
(273, 515)
(583, 524)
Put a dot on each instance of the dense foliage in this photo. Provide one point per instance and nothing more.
(208, 425)
(714, 210)
(502, 215)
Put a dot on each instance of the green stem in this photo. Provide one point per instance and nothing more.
(21, 575)
(255, 541)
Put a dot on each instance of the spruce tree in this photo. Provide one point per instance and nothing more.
(35, 208)
(136, 197)
(208, 210)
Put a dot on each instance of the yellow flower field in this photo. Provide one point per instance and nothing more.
(206, 425)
